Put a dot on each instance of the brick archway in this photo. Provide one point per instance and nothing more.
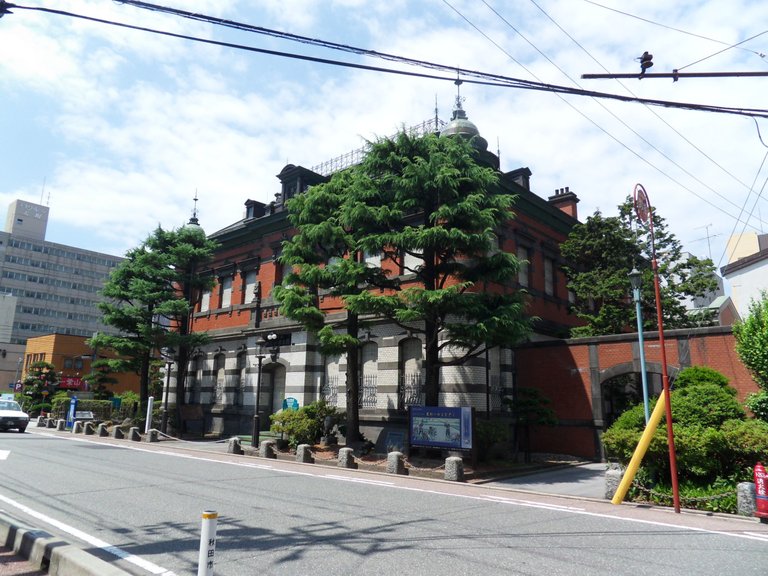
(571, 374)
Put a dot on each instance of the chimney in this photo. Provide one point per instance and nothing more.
(566, 201)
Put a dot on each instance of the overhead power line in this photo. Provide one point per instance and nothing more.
(469, 76)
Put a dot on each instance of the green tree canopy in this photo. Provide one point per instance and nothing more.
(600, 254)
(433, 212)
(150, 296)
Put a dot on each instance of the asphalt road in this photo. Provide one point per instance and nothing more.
(142, 503)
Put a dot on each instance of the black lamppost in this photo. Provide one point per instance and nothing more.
(167, 353)
(257, 417)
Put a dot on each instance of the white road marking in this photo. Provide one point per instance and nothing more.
(4, 454)
(92, 540)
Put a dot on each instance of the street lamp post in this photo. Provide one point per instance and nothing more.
(257, 417)
(635, 280)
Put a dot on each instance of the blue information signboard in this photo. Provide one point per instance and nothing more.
(71, 411)
(441, 427)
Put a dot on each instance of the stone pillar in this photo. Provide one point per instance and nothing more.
(746, 499)
(304, 454)
(613, 477)
(41, 422)
(267, 449)
(117, 433)
(134, 434)
(152, 436)
(50, 423)
(347, 458)
(61, 425)
(454, 469)
(233, 446)
(88, 428)
(396, 463)
(101, 430)
(77, 427)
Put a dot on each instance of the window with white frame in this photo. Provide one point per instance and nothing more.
(205, 301)
(226, 291)
(250, 286)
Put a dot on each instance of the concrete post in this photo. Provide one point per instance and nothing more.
(102, 430)
(234, 446)
(41, 422)
(454, 469)
(77, 427)
(152, 435)
(134, 434)
(50, 423)
(347, 458)
(746, 499)
(267, 449)
(304, 454)
(117, 433)
(613, 478)
(396, 463)
(61, 425)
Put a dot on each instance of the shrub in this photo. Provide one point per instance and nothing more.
(699, 375)
(305, 425)
(747, 443)
(707, 405)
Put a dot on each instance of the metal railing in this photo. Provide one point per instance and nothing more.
(330, 390)
(368, 392)
(409, 392)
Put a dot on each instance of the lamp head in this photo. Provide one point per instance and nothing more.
(635, 279)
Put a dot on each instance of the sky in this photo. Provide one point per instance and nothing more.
(118, 130)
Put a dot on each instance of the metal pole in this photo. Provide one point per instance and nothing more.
(665, 383)
(256, 416)
(148, 419)
(643, 375)
(166, 393)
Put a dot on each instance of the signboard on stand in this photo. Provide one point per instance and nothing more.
(441, 427)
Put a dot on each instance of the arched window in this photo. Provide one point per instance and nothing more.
(220, 378)
(242, 365)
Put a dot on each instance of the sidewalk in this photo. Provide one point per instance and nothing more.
(12, 564)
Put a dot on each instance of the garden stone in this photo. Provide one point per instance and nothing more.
(613, 478)
(234, 446)
(746, 499)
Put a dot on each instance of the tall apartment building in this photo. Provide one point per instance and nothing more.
(45, 288)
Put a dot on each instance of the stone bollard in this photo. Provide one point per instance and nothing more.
(88, 428)
(41, 422)
(117, 433)
(102, 430)
(304, 454)
(77, 427)
(267, 449)
(134, 434)
(152, 436)
(50, 423)
(347, 458)
(454, 469)
(613, 477)
(746, 499)
(234, 446)
(61, 425)
(396, 463)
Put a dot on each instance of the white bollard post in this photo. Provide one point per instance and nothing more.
(207, 544)
(148, 420)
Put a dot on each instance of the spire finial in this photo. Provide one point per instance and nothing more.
(193, 220)
(458, 111)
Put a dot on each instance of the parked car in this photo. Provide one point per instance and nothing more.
(12, 416)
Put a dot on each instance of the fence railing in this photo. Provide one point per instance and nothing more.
(409, 392)
(330, 390)
(368, 392)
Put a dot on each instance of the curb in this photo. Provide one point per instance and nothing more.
(46, 552)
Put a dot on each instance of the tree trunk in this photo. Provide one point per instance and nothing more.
(353, 382)
(144, 382)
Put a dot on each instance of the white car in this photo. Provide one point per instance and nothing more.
(12, 416)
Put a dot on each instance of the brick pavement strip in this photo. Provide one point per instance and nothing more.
(12, 564)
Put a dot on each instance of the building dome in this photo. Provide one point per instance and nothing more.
(461, 126)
